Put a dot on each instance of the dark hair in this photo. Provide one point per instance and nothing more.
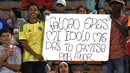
(81, 6)
(70, 71)
(16, 12)
(6, 30)
(31, 3)
(100, 9)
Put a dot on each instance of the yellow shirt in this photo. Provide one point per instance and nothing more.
(33, 34)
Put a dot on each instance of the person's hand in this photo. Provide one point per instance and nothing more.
(47, 12)
(5, 63)
(10, 53)
(7, 54)
(39, 56)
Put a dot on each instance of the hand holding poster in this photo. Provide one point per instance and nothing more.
(77, 37)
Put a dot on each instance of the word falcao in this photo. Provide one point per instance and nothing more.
(71, 23)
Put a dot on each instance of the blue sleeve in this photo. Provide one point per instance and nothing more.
(4, 22)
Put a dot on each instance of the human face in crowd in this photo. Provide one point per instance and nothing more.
(60, 8)
(107, 7)
(116, 7)
(11, 14)
(33, 12)
(101, 11)
(82, 11)
(6, 37)
(63, 68)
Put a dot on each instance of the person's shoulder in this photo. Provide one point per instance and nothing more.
(0, 46)
(9, 20)
(17, 48)
(1, 19)
(25, 23)
(124, 16)
(41, 22)
(21, 19)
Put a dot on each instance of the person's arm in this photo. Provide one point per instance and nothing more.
(26, 47)
(18, 58)
(3, 58)
(11, 66)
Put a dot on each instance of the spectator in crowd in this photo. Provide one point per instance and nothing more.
(10, 55)
(60, 7)
(117, 60)
(15, 19)
(82, 9)
(3, 23)
(91, 6)
(31, 36)
(101, 11)
(64, 68)
(107, 7)
(14, 22)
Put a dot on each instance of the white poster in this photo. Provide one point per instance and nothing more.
(77, 37)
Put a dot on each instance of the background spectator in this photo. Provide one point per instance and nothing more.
(10, 55)
(117, 62)
(82, 9)
(101, 11)
(90, 4)
(14, 22)
(64, 68)
(60, 6)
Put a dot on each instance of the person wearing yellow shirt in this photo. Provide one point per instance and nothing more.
(31, 36)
